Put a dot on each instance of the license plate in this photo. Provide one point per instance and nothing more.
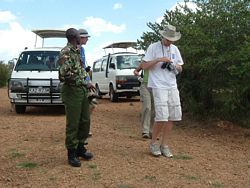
(39, 100)
(136, 88)
(39, 90)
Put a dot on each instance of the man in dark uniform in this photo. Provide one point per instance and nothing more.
(74, 95)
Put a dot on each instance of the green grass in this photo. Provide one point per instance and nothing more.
(52, 178)
(92, 166)
(216, 185)
(150, 178)
(96, 175)
(182, 156)
(16, 154)
(124, 186)
(190, 177)
(28, 165)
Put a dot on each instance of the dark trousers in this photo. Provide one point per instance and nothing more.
(77, 115)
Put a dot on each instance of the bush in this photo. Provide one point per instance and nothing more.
(4, 74)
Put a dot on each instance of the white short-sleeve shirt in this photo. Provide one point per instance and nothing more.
(158, 77)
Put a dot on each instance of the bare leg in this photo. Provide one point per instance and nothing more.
(156, 130)
(166, 132)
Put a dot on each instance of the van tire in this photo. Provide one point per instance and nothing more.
(20, 109)
(113, 96)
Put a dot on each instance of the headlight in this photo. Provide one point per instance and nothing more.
(16, 86)
(121, 79)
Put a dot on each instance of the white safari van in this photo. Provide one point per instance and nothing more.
(113, 73)
(34, 78)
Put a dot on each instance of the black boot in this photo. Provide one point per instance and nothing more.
(73, 159)
(82, 152)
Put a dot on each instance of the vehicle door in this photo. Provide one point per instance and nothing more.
(96, 73)
(104, 82)
(112, 70)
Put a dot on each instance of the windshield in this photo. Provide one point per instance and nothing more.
(38, 61)
(128, 61)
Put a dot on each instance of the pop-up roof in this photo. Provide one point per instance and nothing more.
(46, 33)
(118, 45)
(121, 45)
(49, 33)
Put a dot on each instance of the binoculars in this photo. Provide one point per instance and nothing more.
(170, 66)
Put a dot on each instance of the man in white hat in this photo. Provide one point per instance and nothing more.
(83, 41)
(84, 36)
(164, 62)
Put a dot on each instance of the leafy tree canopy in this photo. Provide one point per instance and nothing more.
(215, 46)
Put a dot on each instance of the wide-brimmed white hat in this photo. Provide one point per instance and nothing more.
(83, 33)
(170, 33)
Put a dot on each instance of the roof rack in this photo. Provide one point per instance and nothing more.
(121, 45)
(49, 33)
(124, 45)
(120, 53)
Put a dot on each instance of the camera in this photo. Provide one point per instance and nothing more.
(165, 65)
(170, 66)
(92, 97)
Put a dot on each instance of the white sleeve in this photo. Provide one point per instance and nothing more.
(179, 60)
(149, 55)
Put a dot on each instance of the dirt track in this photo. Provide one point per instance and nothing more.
(32, 152)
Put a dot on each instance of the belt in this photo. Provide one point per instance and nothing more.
(75, 85)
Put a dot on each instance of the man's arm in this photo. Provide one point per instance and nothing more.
(138, 69)
(149, 64)
(179, 68)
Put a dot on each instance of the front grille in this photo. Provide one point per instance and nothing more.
(40, 91)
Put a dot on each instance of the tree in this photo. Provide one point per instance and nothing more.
(215, 46)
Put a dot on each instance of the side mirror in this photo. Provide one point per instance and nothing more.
(112, 65)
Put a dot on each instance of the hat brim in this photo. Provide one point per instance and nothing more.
(170, 38)
(84, 35)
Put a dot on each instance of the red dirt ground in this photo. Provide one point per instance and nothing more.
(32, 153)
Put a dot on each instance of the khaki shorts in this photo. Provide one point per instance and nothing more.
(167, 105)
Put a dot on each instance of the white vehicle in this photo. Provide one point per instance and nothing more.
(113, 73)
(34, 79)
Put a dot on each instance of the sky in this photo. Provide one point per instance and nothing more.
(106, 21)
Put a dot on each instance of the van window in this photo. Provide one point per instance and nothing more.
(97, 66)
(37, 60)
(112, 62)
(128, 61)
(104, 64)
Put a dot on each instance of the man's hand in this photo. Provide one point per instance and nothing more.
(164, 59)
(136, 73)
(179, 68)
(138, 69)
(91, 87)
